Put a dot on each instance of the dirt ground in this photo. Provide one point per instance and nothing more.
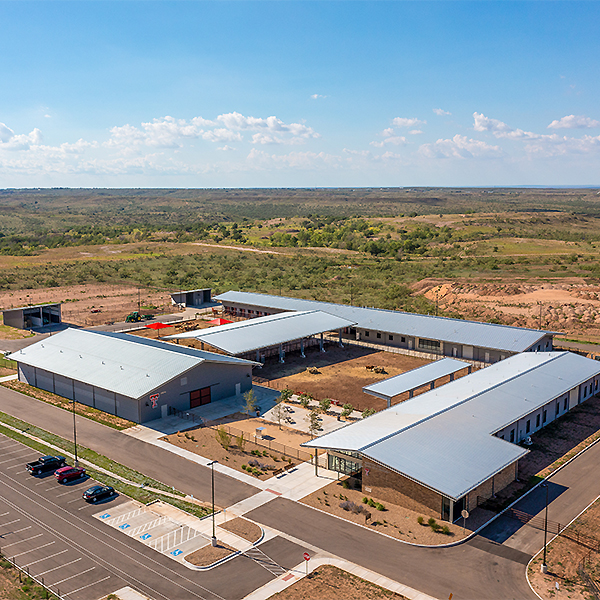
(243, 528)
(203, 441)
(563, 558)
(330, 583)
(571, 306)
(342, 373)
(80, 409)
(282, 435)
(396, 521)
(114, 302)
(208, 554)
(4, 371)
(554, 445)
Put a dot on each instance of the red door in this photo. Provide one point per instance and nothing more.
(199, 397)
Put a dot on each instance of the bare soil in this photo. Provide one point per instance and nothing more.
(80, 409)
(4, 371)
(243, 528)
(330, 583)
(553, 446)
(395, 521)
(571, 306)
(208, 554)
(203, 441)
(342, 373)
(114, 302)
(563, 557)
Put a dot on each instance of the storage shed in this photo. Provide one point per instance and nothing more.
(193, 298)
(129, 376)
(28, 317)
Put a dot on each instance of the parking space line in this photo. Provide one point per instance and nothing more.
(35, 562)
(41, 482)
(121, 518)
(11, 459)
(76, 575)
(4, 514)
(59, 567)
(32, 549)
(88, 585)
(16, 467)
(50, 488)
(9, 523)
(149, 525)
(69, 502)
(24, 529)
(68, 492)
(21, 541)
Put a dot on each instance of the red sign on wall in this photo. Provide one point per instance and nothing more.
(154, 399)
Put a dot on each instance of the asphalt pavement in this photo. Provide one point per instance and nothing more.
(51, 530)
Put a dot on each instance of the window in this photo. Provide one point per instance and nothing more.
(429, 345)
(487, 357)
(378, 335)
(545, 416)
(391, 338)
(596, 386)
(528, 426)
(566, 405)
(585, 391)
(512, 435)
(539, 347)
(366, 333)
(537, 421)
(403, 340)
(557, 408)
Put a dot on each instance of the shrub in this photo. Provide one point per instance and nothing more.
(223, 438)
(371, 502)
(379, 506)
(368, 412)
(305, 400)
(420, 520)
(365, 500)
(347, 410)
(265, 453)
(286, 395)
(241, 441)
(325, 405)
(446, 530)
(244, 467)
(367, 515)
(432, 523)
(345, 484)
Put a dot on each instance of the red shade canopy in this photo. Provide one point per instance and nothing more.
(157, 325)
(220, 321)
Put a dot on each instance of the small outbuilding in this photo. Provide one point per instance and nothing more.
(132, 377)
(28, 317)
(192, 298)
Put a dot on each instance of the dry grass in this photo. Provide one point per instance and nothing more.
(243, 528)
(208, 554)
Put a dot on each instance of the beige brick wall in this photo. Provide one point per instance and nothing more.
(484, 491)
(397, 489)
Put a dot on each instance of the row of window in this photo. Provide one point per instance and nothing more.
(390, 336)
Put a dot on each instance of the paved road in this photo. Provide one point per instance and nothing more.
(155, 462)
(49, 527)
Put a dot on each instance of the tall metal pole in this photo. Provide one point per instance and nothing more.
(544, 565)
(75, 434)
(212, 477)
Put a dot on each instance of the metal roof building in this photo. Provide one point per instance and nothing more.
(266, 332)
(458, 442)
(28, 317)
(129, 376)
(472, 340)
(391, 387)
(193, 298)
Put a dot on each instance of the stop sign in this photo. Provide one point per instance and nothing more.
(306, 556)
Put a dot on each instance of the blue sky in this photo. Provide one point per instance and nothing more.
(287, 94)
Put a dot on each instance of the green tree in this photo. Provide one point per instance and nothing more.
(325, 405)
(347, 410)
(250, 402)
(223, 438)
(368, 412)
(314, 422)
(241, 441)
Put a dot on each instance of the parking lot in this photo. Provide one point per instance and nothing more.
(48, 528)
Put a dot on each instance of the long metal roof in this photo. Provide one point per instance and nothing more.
(444, 438)
(126, 364)
(456, 331)
(263, 332)
(393, 386)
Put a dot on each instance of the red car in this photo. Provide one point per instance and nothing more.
(68, 474)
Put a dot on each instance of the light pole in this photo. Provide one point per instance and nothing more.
(211, 464)
(75, 434)
(544, 565)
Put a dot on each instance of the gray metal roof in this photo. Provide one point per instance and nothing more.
(129, 365)
(456, 331)
(263, 332)
(444, 438)
(393, 386)
(32, 306)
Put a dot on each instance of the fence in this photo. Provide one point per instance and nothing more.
(49, 593)
(591, 585)
(249, 438)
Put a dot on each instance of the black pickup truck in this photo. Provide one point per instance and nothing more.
(45, 464)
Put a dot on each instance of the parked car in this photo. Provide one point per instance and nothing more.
(44, 464)
(69, 474)
(98, 492)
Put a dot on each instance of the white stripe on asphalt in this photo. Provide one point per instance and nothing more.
(88, 585)
(19, 530)
(9, 523)
(4, 514)
(32, 549)
(65, 493)
(16, 467)
(25, 540)
(35, 562)
(76, 575)
(59, 566)
(70, 501)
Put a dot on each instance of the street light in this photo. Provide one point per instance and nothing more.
(544, 565)
(211, 464)
(75, 433)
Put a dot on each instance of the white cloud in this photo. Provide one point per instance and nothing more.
(460, 147)
(415, 132)
(441, 113)
(9, 140)
(396, 140)
(296, 160)
(554, 145)
(405, 122)
(5, 133)
(574, 122)
(317, 96)
(226, 148)
(483, 123)
(387, 132)
(47, 116)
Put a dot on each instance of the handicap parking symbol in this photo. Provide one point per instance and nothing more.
(177, 552)
(146, 536)
(105, 516)
(125, 526)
